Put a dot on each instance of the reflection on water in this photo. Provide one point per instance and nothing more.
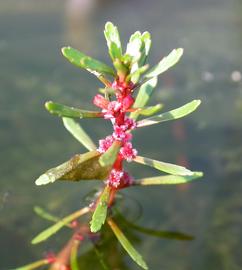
(31, 140)
(79, 23)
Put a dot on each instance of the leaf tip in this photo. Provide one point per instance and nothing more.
(180, 51)
(35, 241)
(65, 49)
(198, 174)
(44, 179)
(48, 105)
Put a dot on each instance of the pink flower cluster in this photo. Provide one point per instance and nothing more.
(118, 179)
(122, 125)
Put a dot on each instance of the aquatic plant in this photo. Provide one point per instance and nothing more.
(128, 86)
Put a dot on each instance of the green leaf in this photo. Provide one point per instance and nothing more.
(74, 255)
(138, 48)
(134, 76)
(163, 166)
(168, 179)
(147, 111)
(144, 95)
(79, 133)
(83, 61)
(133, 253)
(109, 157)
(32, 266)
(100, 257)
(100, 213)
(146, 40)
(171, 115)
(60, 224)
(134, 47)
(66, 111)
(80, 167)
(166, 63)
(113, 41)
(107, 91)
(44, 214)
(156, 233)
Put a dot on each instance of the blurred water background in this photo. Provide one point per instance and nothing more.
(33, 71)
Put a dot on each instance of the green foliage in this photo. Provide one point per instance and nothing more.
(83, 61)
(144, 95)
(171, 115)
(163, 166)
(33, 265)
(166, 63)
(148, 111)
(100, 213)
(44, 214)
(155, 233)
(168, 179)
(133, 253)
(80, 167)
(109, 157)
(79, 133)
(113, 41)
(130, 74)
(60, 224)
(66, 111)
(74, 256)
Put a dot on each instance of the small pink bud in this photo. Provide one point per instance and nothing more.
(127, 180)
(74, 224)
(105, 144)
(100, 101)
(79, 237)
(128, 152)
(127, 102)
(50, 257)
(114, 178)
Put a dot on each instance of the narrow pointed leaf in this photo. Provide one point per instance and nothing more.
(156, 233)
(83, 61)
(100, 255)
(138, 48)
(144, 95)
(33, 265)
(100, 213)
(66, 111)
(80, 167)
(79, 133)
(109, 157)
(113, 41)
(44, 214)
(60, 224)
(163, 166)
(166, 63)
(134, 76)
(134, 50)
(171, 115)
(168, 179)
(146, 39)
(133, 253)
(148, 111)
(74, 255)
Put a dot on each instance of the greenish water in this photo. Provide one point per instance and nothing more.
(32, 71)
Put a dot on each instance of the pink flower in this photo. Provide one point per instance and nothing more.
(112, 109)
(121, 135)
(128, 152)
(114, 178)
(100, 101)
(127, 180)
(104, 144)
(127, 102)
